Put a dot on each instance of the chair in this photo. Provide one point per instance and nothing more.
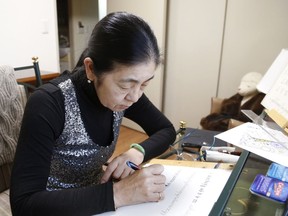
(38, 80)
(224, 114)
(12, 103)
(216, 108)
(216, 104)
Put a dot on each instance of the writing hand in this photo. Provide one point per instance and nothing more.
(118, 169)
(145, 185)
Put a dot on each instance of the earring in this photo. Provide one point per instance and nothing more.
(89, 81)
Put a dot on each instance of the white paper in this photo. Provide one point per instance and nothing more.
(190, 191)
(263, 141)
(273, 72)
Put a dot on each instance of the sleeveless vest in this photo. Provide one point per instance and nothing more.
(76, 160)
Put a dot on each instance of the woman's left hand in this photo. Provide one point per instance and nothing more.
(118, 169)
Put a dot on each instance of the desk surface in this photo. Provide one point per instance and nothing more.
(27, 76)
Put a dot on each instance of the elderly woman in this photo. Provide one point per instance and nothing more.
(71, 125)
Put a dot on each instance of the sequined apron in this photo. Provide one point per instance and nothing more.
(76, 160)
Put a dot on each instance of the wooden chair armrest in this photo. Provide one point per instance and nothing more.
(234, 123)
(216, 104)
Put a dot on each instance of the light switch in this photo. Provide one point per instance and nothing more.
(44, 27)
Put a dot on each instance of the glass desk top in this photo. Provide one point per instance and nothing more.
(236, 199)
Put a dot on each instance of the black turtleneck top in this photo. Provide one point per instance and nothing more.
(43, 123)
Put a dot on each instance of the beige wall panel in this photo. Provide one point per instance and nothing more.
(256, 31)
(153, 12)
(193, 55)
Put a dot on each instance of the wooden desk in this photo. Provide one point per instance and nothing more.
(31, 79)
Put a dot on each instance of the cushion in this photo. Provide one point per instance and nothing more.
(11, 112)
(5, 209)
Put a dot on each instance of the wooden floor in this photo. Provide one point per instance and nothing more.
(127, 136)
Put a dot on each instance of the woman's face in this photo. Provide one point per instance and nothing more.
(123, 86)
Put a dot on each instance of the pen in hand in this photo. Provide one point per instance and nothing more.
(129, 164)
(135, 167)
(132, 165)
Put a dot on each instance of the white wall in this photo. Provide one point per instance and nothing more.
(29, 28)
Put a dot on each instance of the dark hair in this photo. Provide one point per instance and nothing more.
(122, 38)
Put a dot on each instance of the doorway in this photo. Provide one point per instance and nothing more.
(64, 35)
(76, 20)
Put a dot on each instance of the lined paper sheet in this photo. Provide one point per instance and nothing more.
(189, 191)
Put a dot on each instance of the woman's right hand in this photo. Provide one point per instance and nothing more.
(145, 185)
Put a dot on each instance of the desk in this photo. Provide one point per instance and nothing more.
(189, 142)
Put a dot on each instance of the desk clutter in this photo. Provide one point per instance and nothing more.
(201, 145)
(219, 154)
